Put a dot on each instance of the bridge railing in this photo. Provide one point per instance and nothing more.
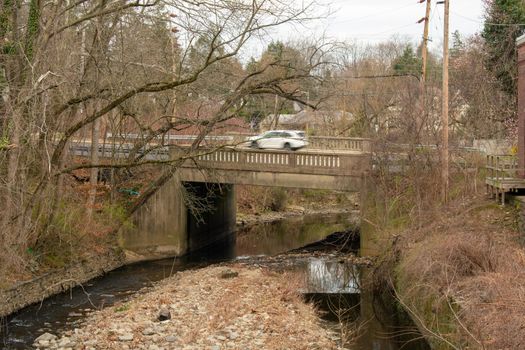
(340, 143)
(282, 162)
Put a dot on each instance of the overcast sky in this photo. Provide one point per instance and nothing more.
(372, 21)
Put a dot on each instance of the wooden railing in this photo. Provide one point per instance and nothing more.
(502, 167)
(503, 175)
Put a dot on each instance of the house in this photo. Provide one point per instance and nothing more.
(315, 122)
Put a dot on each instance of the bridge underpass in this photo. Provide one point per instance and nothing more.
(166, 225)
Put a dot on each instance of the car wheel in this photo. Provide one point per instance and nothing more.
(287, 146)
(254, 144)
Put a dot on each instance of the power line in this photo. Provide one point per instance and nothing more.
(489, 23)
(380, 76)
(389, 11)
(393, 29)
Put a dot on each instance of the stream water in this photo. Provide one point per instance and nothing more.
(333, 285)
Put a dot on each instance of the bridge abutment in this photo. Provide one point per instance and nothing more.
(159, 227)
(181, 217)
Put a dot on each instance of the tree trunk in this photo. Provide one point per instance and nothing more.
(93, 178)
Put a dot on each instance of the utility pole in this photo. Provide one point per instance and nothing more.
(424, 53)
(424, 49)
(445, 160)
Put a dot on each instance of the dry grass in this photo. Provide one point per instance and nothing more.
(464, 275)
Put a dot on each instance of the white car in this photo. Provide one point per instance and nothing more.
(279, 139)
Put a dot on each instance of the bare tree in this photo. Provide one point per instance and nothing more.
(109, 65)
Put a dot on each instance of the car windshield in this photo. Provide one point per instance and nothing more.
(300, 133)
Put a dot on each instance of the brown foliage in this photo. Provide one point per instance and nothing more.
(469, 270)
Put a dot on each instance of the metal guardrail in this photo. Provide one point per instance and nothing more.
(316, 142)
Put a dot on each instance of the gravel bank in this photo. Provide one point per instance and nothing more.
(212, 308)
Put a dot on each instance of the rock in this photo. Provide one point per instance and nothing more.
(46, 337)
(228, 273)
(66, 342)
(215, 347)
(233, 335)
(125, 337)
(90, 342)
(164, 314)
(170, 338)
(43, 343)
(148, 331)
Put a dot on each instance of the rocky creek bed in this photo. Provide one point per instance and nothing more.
(217, 307)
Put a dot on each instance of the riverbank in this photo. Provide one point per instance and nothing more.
(56, 281)
(461, 276)
(234, 307)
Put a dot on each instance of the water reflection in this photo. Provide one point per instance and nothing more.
(329, 277)
(282, 236)
(361, 319)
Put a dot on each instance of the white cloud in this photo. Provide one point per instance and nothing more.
(376, 20)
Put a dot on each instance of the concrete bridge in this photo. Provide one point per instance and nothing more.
(334, 170)
(197, 206)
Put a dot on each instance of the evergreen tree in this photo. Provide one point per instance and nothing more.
(505, 21)
(408, 63)
(457, 44)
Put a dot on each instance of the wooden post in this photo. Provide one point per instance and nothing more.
(520, 43)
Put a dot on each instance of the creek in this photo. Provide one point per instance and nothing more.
(334, 285)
